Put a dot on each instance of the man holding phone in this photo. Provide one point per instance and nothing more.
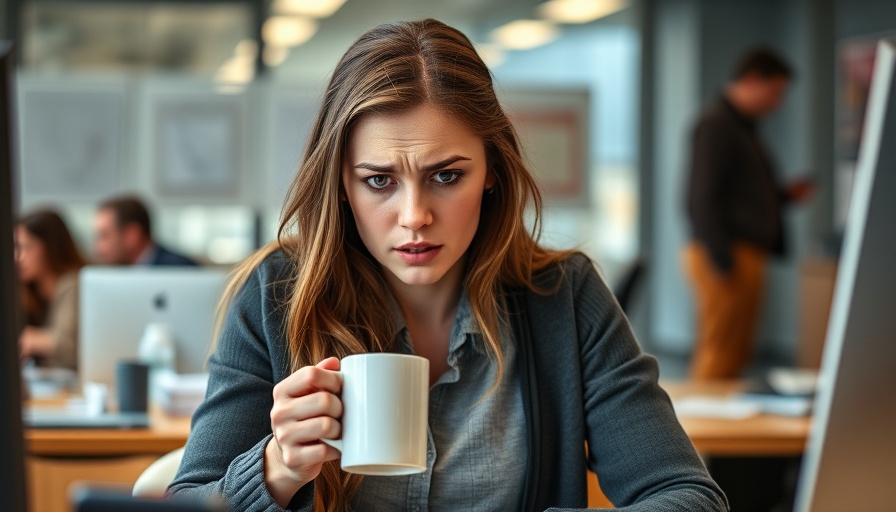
(734, 205)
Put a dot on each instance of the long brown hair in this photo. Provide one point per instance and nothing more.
(61, 254)
(338, 292)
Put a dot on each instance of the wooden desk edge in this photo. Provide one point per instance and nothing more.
(56, 443)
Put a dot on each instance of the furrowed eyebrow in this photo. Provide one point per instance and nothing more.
(444, 163)
(374, 167)
(426, 168)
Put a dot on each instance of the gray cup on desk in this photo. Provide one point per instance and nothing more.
(132, 384)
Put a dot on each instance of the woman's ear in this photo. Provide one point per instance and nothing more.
(490, 181)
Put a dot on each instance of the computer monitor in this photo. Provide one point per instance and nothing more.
(12, 470)
(116, 304)
(850, 462)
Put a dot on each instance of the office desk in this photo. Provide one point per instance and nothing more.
(57, 458)
(762, 435)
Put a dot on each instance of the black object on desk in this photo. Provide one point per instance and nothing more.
(132, 385)
(94, 499)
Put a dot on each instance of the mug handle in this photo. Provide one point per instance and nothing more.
(335, 443)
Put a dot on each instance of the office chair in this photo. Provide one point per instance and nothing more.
(626, 286)
(154, 480)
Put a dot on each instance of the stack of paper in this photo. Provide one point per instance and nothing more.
(779, 405)
(740, 406)
(180, 395)
(714, 407)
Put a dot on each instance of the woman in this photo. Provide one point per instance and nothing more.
(404, 231)
(48, 263)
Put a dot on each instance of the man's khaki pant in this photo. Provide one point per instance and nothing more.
(727, 309)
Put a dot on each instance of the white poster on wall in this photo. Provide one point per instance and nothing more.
(196, 146)
(71, 140)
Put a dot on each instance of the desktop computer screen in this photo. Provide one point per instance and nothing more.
(850, 460)
(116, 304)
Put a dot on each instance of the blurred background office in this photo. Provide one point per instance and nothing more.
(202, 108)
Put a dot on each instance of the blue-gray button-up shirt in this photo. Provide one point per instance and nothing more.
(476, 451)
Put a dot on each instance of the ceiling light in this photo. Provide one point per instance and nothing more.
(247, 48)
(237, 70)
(274, 55)
(524, 34)
(579, 11)
(288, 30)
(493, 55)
(313, 8)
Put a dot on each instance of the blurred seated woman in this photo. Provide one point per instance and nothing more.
(48, 263)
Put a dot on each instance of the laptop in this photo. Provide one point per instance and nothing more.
(116, 303)
(61, 417)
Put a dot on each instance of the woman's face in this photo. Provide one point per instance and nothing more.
(30, 258)
(415, 182)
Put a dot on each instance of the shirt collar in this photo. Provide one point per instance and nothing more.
(465, 325)
(747, 121)
(148, 255)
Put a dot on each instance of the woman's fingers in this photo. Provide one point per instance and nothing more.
(300, 448)
(316, 404)
(307, 458)
(307, 409)
(302, 433)
(310, 379)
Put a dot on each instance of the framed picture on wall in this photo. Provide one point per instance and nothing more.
(552, 125)
(198, 145)
(72, 138)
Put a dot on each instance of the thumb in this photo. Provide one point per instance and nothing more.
(330, 363)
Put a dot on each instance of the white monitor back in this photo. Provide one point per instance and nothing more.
(116, 303)
(850, 463)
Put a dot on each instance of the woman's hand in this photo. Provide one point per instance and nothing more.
(35, 341)
(306, 409)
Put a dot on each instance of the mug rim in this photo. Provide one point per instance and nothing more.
(387, 355)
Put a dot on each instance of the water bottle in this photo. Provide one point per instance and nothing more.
(157, 351)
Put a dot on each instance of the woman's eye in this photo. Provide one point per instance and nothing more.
(380, 181)
(446, 177)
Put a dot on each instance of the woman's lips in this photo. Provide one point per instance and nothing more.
(418, 253)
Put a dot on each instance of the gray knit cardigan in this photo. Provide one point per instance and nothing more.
(584, 379)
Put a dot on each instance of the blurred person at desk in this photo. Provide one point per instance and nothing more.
(48, 262)
(734, 204)
(123, 235)
(404, 231)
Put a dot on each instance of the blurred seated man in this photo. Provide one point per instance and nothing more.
(123, 236)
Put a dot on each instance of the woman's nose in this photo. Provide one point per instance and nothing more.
(415, 212)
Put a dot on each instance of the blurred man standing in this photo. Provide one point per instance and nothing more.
(123, 236)
(734, 206)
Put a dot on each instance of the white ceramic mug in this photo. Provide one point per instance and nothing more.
(385, 399)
